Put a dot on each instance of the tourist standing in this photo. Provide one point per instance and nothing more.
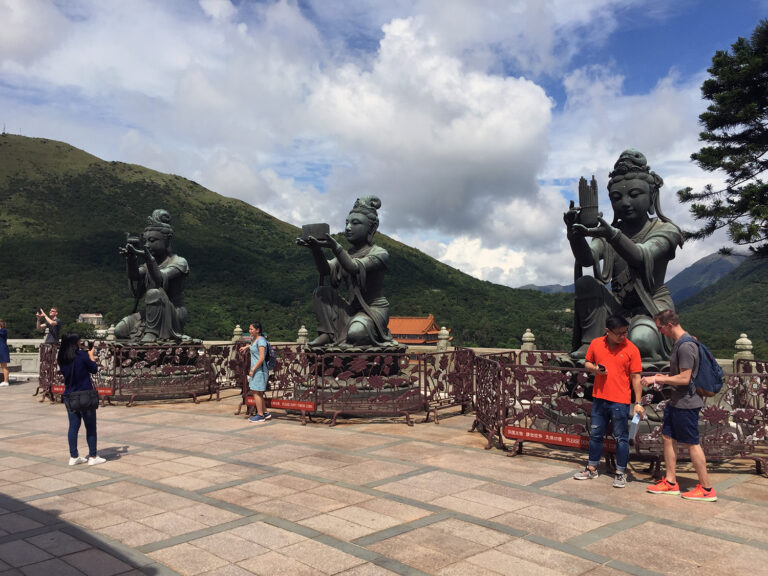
(681, 412)
(258, 373)
(50, 321)
(616, 364)
(77, 365)
(5, 354)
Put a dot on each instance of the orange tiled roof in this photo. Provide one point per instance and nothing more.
(413, 324)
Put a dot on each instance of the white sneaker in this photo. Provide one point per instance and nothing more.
(93, 460)
(76, 461)
(4, 384)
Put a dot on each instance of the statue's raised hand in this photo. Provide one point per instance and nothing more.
(131, 249)
(602, 230)
(312, 242)
(571, 219)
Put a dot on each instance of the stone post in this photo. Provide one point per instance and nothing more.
(303, 336)
(743, 349)
(443, 337)
(529, 340)
(237, 333)
(111, 333)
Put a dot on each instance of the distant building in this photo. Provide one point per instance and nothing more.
(414, 330)
(94, 319)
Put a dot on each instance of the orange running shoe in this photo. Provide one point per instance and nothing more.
(700, 493)
(664, 487)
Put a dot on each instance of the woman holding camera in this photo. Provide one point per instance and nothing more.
(77, 365)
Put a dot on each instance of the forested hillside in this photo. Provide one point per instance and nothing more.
(64, 213)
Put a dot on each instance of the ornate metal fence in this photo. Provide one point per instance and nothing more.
(368, 384)
(151, 372)
(523, 399)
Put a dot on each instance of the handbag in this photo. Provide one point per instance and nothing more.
(81, 400)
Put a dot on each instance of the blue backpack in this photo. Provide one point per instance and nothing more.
(708, 379)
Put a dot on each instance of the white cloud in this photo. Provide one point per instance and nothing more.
(438, 107)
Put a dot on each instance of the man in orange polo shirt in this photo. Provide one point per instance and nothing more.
(615, 362)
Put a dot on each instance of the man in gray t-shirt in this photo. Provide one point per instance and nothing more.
(681, 412)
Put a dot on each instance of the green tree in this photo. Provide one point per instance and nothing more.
(736, 130)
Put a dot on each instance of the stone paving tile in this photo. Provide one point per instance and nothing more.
(368, 518)
(190, 482)
(367, 570)
(277, 563)
(551, 530)
(57, 543)
(689, 549)
(51, 567)
(339, 528)
(172, 523)
(321, 557)
(229, 547)
(93, 518)
(13, 522)
(340, 493)
(414, 555)
(282, 509)
(131, 509)
(20, 553)
(465, 568)
(365, 472)
(473, 532)
(267, 535)
(506, 564)
(162, 501)
(134, 534)
(397, 510)
(547, 557)
(187, 559)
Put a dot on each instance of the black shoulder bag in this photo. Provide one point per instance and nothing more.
(81, 400)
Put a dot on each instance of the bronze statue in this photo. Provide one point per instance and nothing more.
(631, 253)
(359, 322)
(160, 280)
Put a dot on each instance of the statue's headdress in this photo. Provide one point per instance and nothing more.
(160, 220)
(368, 205)
(632, 165)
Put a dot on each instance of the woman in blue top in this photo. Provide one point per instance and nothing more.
(5, 355)
(258, 374)
(77, 365)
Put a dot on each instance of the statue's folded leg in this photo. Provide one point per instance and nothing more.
(163, 320)
(594, 303)
(129, 328)
(332, 316)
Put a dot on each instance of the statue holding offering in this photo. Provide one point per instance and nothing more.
(160, 280)
(632, 253)
(359, 321)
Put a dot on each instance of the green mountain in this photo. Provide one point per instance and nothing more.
(64, 213)
(735, 304)
(702, 273)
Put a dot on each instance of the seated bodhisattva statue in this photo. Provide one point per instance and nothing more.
(160, 280)
(361, 320)
(631, 253)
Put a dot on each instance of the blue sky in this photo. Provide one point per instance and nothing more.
(472, 120)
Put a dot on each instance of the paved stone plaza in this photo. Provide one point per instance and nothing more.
(192, 489)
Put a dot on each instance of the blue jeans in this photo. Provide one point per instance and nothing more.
(602, 411)
(89, 417)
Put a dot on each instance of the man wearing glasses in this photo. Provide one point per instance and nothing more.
(50, 321)
(681, 412)
(616, 364)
